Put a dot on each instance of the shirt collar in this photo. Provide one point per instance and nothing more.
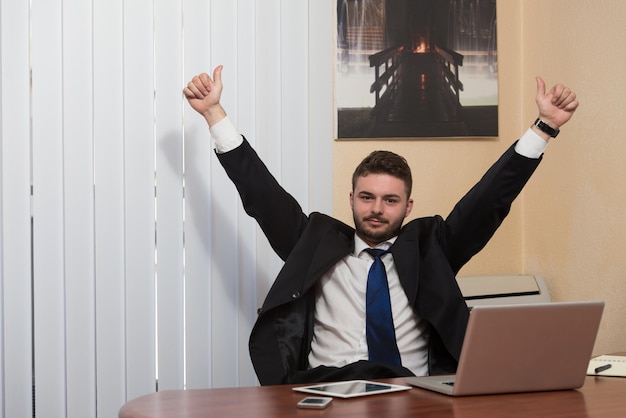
(360, 245)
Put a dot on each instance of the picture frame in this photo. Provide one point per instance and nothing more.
(416, 69)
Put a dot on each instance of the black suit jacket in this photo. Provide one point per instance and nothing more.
(428, 253)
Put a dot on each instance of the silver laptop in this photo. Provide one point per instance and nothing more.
(522, 348)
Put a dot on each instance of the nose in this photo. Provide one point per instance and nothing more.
(377, 206)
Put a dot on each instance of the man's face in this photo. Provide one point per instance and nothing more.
(379, 205)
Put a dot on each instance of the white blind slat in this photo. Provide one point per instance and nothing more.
(48, 208)
(198, 159)
(267, 138)
(224, 228)
(294, 101)
(169, 180)
(320, 73)
(15, 277)
(246, 99)
(79, 210)
(139, 221)
(108, 128)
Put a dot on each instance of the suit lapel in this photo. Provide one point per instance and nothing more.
(323, 243)
(406, 257)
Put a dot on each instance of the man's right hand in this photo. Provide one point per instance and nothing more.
(203, 94)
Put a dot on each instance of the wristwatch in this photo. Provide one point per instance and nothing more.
(545, 128)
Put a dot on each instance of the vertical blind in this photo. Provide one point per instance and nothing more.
(127, 263)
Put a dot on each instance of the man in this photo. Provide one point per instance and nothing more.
(315, 324)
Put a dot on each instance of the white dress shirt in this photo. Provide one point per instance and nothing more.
(339, 327)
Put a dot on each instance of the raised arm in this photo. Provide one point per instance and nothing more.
(477, 216)
(278, 214)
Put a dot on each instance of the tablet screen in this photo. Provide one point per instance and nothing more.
(351, 388)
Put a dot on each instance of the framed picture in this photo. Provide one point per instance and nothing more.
(416, 68)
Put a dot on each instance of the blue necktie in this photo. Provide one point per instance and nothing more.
(380, 331)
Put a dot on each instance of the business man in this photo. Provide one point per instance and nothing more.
(322, 319)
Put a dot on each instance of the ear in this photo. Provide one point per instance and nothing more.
(409, 207)
(352, 200)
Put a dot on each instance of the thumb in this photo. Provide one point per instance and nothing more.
(541, 87)
(217, 74)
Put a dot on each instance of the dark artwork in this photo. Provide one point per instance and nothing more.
(416, 68)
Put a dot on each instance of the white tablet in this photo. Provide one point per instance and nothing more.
(351, 388)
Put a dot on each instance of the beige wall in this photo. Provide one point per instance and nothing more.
(574, 224)
(568, 224)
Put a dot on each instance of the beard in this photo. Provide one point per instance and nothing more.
(371, 235)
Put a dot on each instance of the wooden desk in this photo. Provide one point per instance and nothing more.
(599, 397)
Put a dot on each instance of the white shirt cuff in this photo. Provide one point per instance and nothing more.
(225, 136)
(530, 145)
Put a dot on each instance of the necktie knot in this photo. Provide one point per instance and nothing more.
(376, 252)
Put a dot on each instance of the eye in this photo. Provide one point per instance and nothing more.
(392, 199)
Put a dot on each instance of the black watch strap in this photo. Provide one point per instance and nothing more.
(545, 128)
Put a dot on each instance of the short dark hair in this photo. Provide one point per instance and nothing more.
(385, 162)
